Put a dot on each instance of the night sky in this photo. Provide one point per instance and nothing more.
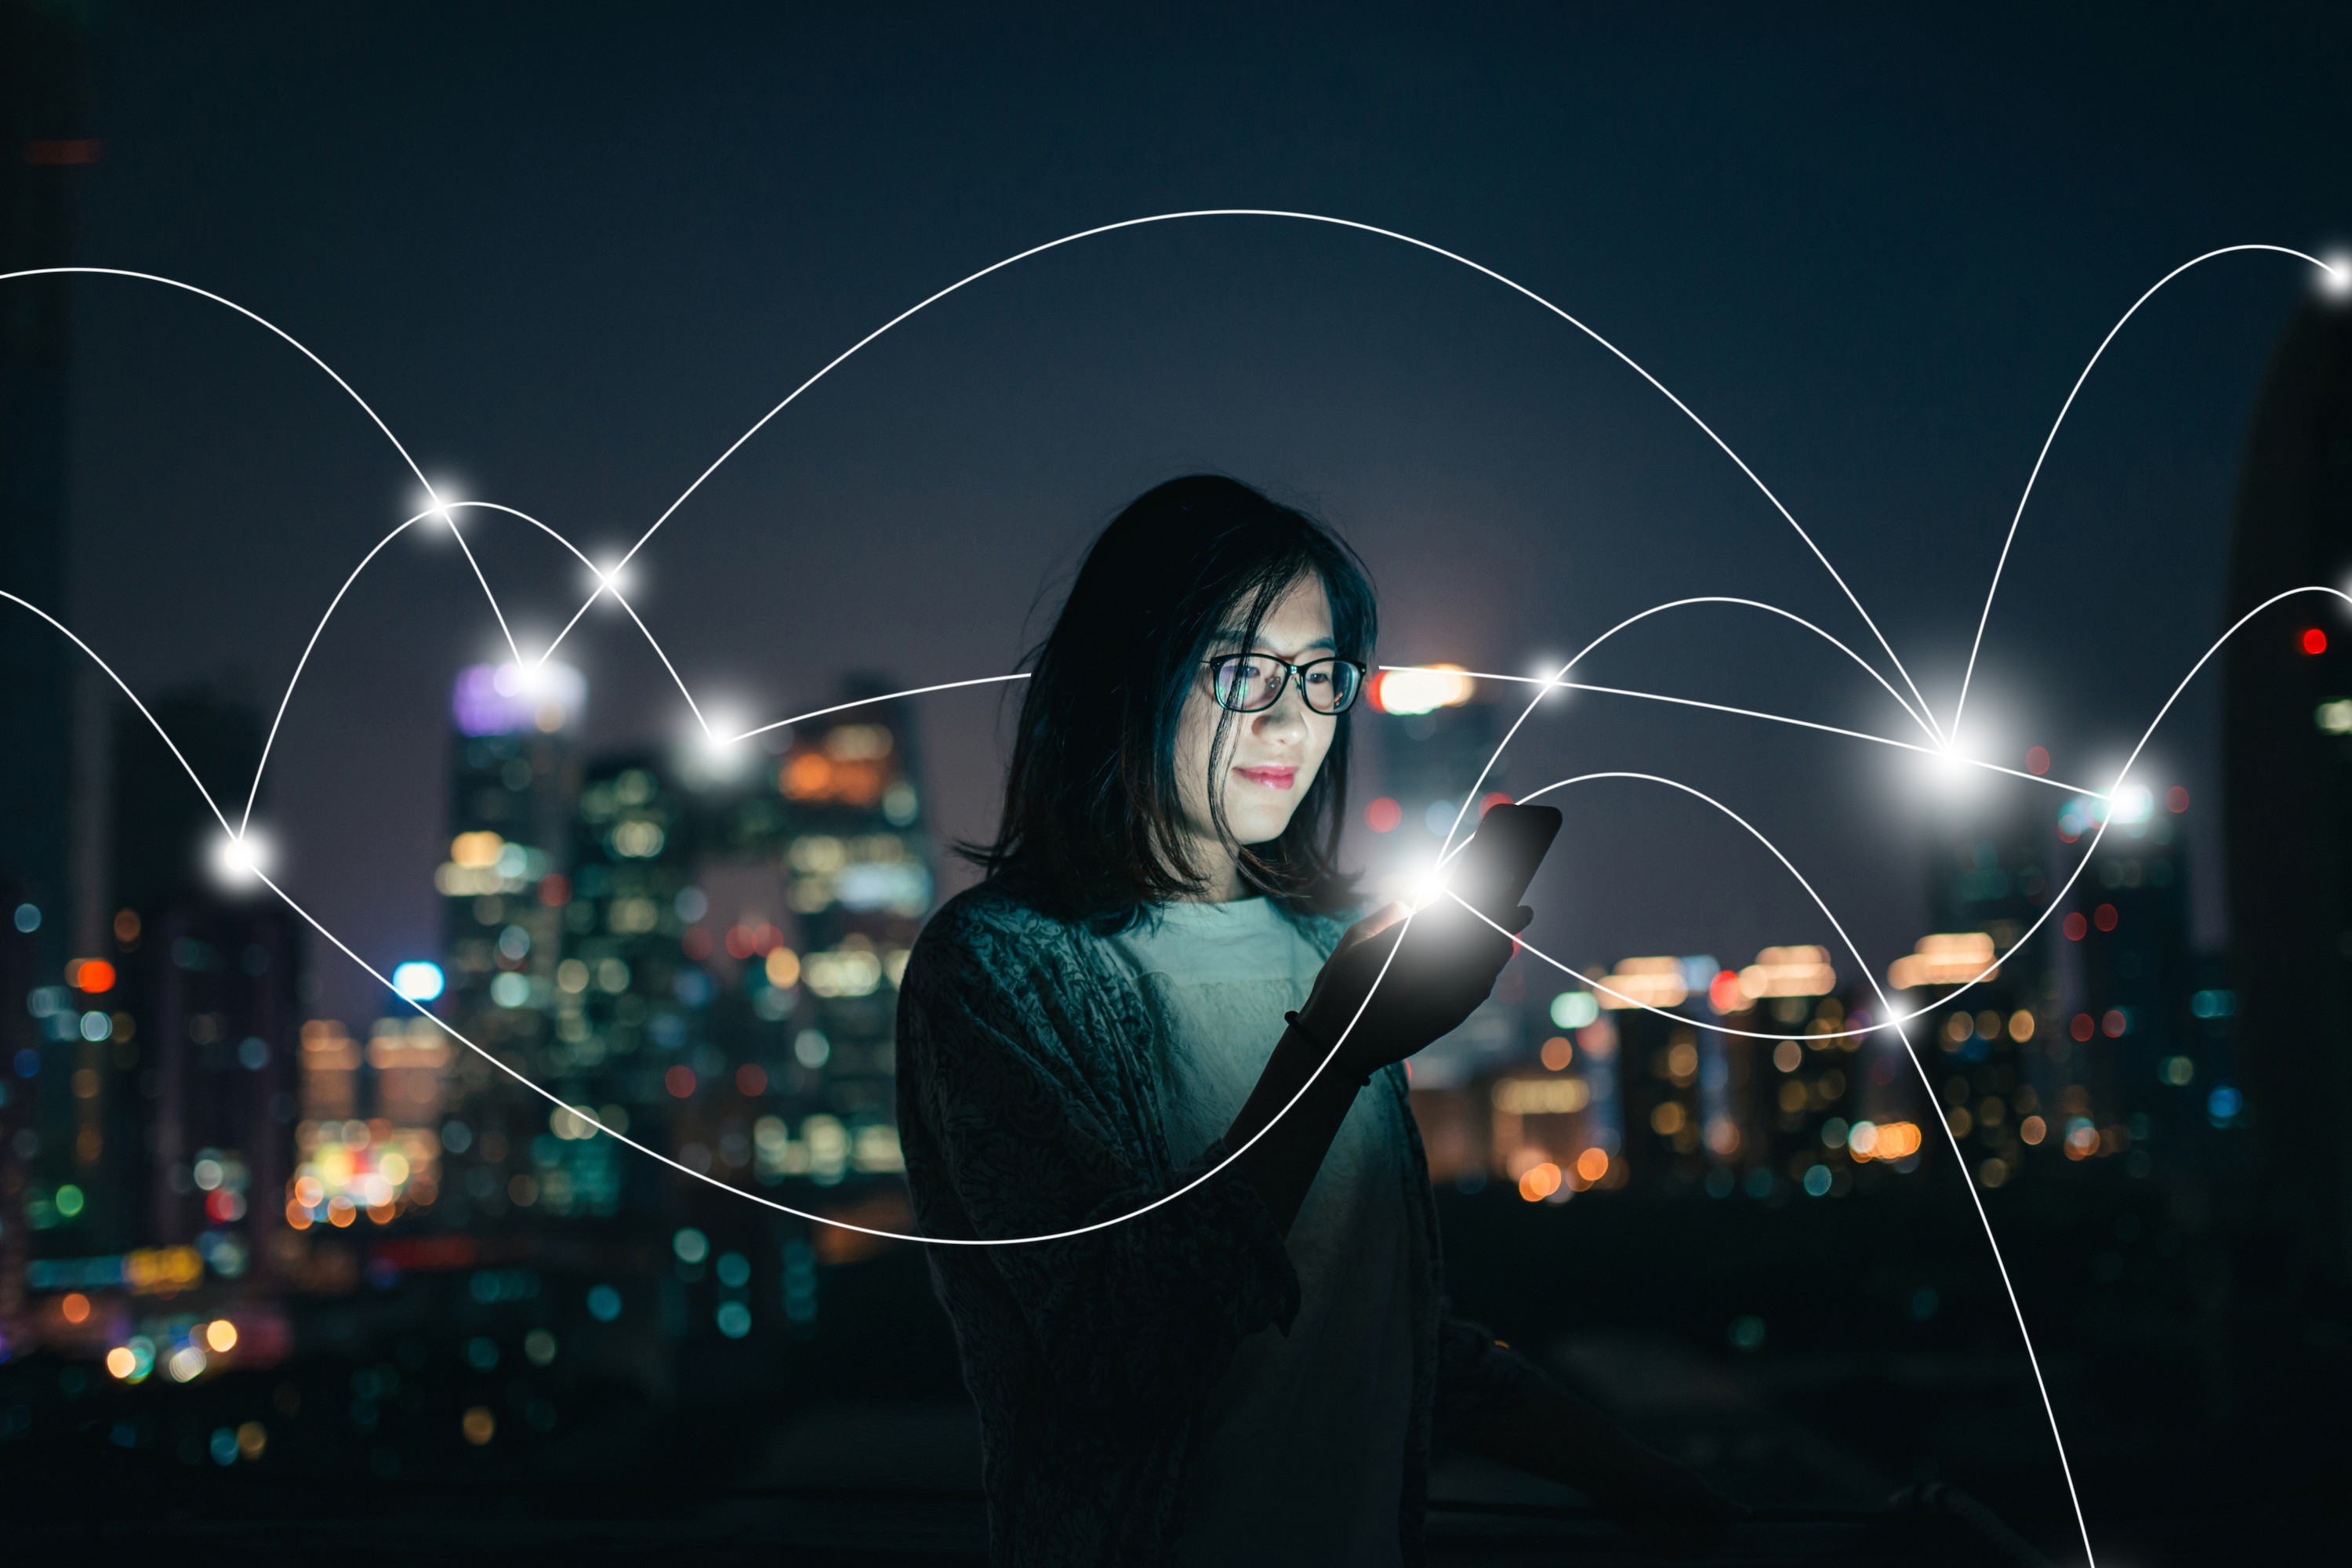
(570, 253)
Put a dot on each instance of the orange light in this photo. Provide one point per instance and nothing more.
(120, 1362)
(296, 1217)
(1558, 1053)
(479, 1426)
(1592, 1164)
(339, 1212)
(76, 1308)
(221, 1335)
(92, 975)
(806, 776)
(1539, 1182)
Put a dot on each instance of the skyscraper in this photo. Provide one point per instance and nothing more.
(2287, 744)
(513, 780)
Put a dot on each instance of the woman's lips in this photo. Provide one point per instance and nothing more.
(1272, 778)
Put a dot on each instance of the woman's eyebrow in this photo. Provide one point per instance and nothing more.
(1237, 636)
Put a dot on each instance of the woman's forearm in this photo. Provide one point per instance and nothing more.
(1282, 1164)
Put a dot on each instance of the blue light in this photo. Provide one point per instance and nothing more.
(2213, 1003)
(2223, 1104)
(29, 917)
(417, 980)
(603, 1303)
(1440, 817)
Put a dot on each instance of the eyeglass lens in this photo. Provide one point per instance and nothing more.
(1247, 683)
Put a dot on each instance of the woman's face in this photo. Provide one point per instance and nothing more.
(1269, 757)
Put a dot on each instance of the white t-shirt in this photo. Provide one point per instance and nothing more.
(1299, 1458)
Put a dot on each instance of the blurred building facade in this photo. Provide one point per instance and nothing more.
(2287, 745)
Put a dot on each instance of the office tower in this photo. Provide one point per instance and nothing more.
(44, 109)
(505, 891)
(175, 1045)
(2287, 745)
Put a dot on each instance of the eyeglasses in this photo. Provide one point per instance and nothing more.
(1253, 682)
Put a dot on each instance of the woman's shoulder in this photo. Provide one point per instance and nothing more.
(998, 927)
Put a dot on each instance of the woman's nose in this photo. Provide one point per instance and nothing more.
(1286, 719)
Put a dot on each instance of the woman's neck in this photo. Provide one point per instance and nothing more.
(1221, 873)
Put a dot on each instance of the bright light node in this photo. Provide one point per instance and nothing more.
(242, 860)
(609, 575)
(1420, 690)
(2336, 282)
(417, 980)
(2132, 803)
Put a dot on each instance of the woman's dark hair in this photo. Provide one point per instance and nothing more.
(1093, 827)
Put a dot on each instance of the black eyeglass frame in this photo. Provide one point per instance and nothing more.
(1288, 670)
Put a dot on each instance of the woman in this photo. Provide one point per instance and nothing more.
(1156, 966)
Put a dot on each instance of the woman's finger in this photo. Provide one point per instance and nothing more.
(1372, 924)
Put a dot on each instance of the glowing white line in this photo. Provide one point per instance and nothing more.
(553, 1099)
(260, 320)
(2048, 440)
(458, 535)
(893, 697)
(1927, 1088)
(1749, 713)
(301, 664)
(1301, 217)
(441, 510)
(165, 735)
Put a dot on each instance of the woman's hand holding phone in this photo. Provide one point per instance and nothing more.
(1436, 980)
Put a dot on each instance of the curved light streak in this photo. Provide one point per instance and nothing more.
(1521, 289)
(2050, 439)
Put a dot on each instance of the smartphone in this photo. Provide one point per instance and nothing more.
(1492, 874)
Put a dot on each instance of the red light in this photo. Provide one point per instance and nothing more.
(2037, 761)
(695, 943)
(2082, 1029)
(1383, 815)
(679, 1080)
(1723, 992)
(1488, 801)
(741, 942)
(554, 890)
(751, 1079)
(2105, 915)
(2315, 641)
(2114, 1022)
(91, 974)
(766, 940)
(2176, 799)
(2076, 927)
